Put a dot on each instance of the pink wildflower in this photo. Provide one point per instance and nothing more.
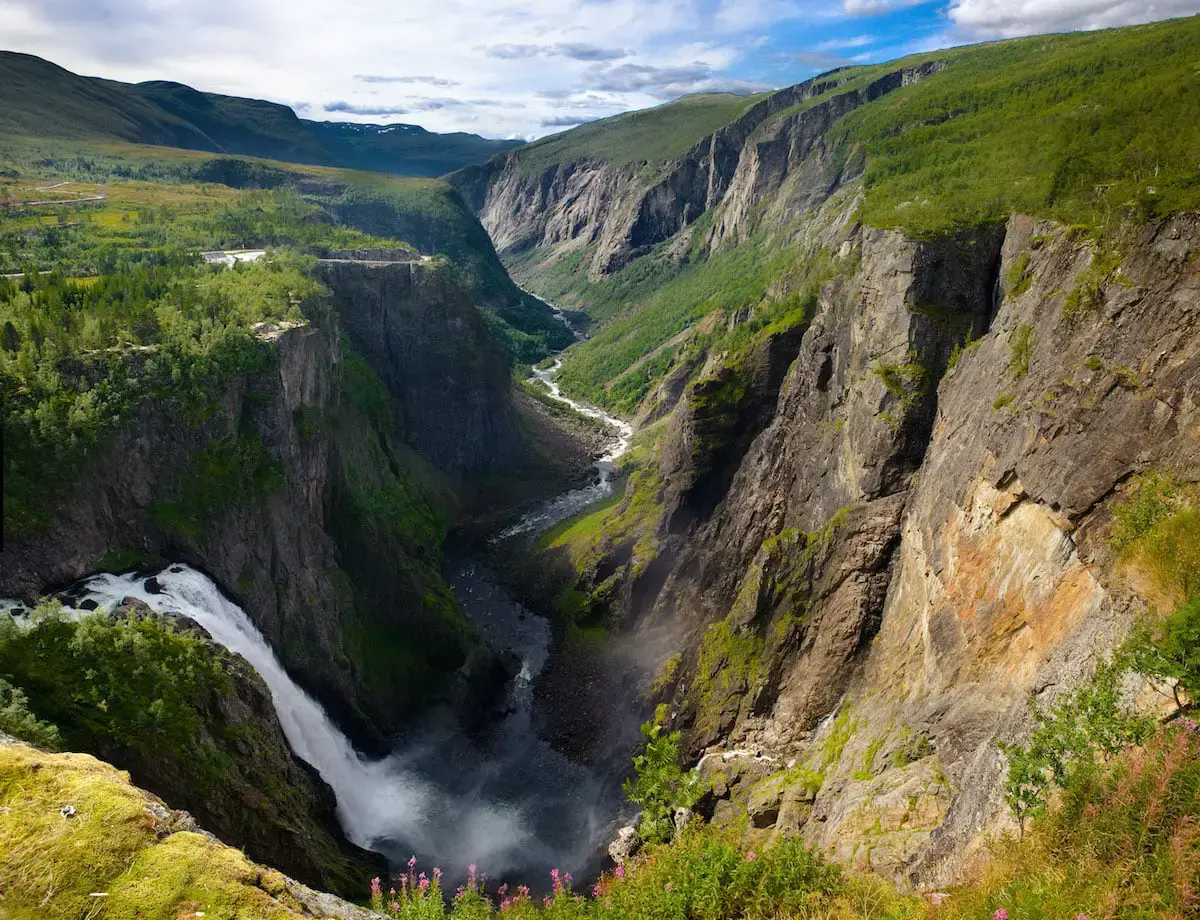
(376, 888)
(596, 890)
(502, 890)
(394, 907)
(546, 900)
(471, 873)
(1000, 914)
(750, 857)
(412, 861)
(1081, 916)
(619, 872)
(437, 873)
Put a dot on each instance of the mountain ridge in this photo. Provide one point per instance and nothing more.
(39, 98)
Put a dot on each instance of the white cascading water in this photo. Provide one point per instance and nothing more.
(377, 799)
(507, 802)
(571, 503)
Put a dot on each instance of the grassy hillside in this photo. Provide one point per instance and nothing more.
(158, 199)
(41, 99)
(651, 135)
(1093, 129)
(1084, 128)
(120, 855)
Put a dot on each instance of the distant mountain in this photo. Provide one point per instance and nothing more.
(41, 99)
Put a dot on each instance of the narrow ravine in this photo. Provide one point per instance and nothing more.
(571, 503)
(505, 801)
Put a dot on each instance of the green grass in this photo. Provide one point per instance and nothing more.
(661, 302)
(51, 868)
(1077, 127)
(649, 135)
(1156, 527)
(727, 668)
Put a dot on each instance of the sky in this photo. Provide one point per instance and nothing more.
(514, 68)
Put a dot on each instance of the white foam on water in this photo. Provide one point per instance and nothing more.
(376, 799)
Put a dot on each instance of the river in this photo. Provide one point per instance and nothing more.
(506, 802)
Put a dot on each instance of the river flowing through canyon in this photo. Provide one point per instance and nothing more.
(504, 800)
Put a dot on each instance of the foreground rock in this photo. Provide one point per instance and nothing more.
(122, 852)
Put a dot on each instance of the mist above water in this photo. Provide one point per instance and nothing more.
(506, 802)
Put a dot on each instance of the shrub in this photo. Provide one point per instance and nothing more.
(1069, 738)
(17, 720)
(1020, 350)
(660, 785)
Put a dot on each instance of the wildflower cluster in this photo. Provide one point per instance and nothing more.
(419, 896)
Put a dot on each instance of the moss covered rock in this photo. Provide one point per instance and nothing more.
(77, 839)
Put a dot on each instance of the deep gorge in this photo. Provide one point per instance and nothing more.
(758, 481)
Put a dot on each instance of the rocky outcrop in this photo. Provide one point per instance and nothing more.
(142, 857)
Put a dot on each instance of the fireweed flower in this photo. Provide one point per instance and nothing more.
(1000, 914)
(619, 872)
(437, 873)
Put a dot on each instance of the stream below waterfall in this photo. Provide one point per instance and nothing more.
(505, 801)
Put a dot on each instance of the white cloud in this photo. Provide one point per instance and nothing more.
(874, 7)
(499, 67)
(836, 44)
(1011, 18)
(451, 65)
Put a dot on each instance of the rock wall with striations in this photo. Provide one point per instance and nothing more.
(911, 537)
(624, 211)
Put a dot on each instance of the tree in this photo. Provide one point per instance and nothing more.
(1171, 652)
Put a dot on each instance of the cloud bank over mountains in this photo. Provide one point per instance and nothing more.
(514, 68)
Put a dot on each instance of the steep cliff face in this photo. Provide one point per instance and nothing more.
(617, 212)
(274, 488)
(914, 541)
(449, 381)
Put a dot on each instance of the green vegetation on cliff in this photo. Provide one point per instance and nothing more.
(78, 358)
(183, 716)
(1090, 129)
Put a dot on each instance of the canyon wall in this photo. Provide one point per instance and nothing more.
(878, 533)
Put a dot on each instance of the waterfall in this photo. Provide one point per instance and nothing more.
(506, 801)
(377, 800)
